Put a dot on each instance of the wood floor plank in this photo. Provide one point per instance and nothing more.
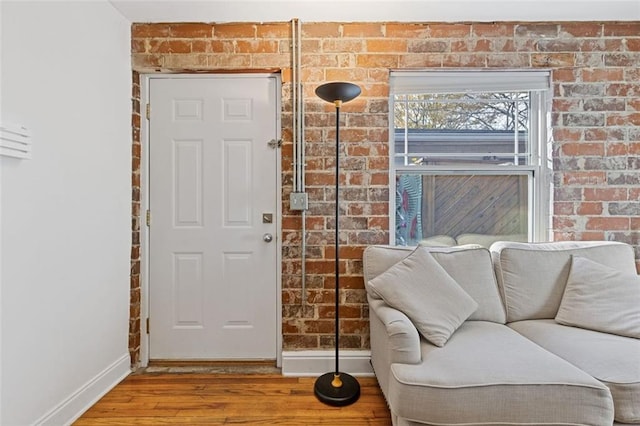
(228, 399)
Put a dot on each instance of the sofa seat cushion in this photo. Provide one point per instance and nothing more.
(489, 374)
(613, 360)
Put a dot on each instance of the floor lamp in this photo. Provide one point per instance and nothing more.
(336, 388)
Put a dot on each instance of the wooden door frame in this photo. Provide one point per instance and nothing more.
(145, 199)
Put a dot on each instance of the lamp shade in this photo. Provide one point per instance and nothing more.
(338, 91)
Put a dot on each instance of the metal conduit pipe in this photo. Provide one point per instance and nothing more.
(298, 139)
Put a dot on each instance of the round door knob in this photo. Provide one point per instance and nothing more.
(267, 238)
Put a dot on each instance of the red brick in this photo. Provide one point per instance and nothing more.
(234, 31)
(616, 149)
(564, 74)
(275, 30)
(409, 30)
(291, 222)
(607, 223)
(563, 222)
(582, 148)
(589, 209)
(138, 46)
(591, 236)
(320, 267)
(386, 45)
(464, 60)
(325, 60)
(602, 74)
(624, 119)
(536, 30)
(341, 45)
(633, 44)
(169, 46)
(377, 60)
(346, 252)
(256, 46)
(623, 89)
(621, 29)
(320, 326)
(420, 60)
(299, 341)
(381, 179)
(320, 29)
(449, 30)
(346, 74)
(563, 208)
(517, 60)
(553, 60)
(149, 30)
(584, 178)
(362, 30)
(581, 29)
(605, 194)
(354, 326)
(492, 30)
(190, 30)
(378, 223)
(567, 105)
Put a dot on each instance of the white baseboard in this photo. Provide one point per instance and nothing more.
(81, 400)
(316, 363)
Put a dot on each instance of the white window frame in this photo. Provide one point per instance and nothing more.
(537, 83)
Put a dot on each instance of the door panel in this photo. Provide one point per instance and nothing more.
(212, 278)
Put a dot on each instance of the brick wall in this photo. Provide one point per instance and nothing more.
(596, 122)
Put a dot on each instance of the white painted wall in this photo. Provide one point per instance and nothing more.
(65, 214)
(377, 10)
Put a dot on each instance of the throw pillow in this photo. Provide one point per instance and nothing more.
(601, 298)
(422, 289)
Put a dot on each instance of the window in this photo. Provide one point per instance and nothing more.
(469, 155)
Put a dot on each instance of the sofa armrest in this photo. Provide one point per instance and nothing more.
(394, 338)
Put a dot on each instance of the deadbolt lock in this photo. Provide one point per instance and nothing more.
(267, 217)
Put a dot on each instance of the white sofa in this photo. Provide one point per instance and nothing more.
(509, 361)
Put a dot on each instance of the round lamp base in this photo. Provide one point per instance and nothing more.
(327, 392)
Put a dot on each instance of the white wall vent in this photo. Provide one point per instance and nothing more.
(15, 141)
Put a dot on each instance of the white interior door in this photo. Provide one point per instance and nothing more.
(213, 204)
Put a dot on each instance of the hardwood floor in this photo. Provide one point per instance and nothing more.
(223, 399)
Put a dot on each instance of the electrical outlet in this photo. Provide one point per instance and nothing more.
(299, 201)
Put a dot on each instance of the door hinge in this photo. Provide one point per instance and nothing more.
(147, 325)
(273, 143)
(148, 111)
(148, 217)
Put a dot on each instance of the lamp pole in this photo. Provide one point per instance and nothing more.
(336, 388)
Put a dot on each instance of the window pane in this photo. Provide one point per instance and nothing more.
(457, 128)
(432, 205)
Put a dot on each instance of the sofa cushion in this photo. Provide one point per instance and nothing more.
(613, 360)
(469, 265)
(422, 289)
(472, 269)
(489, 374)
(532, 276)
(377, 259)
(601, 298)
